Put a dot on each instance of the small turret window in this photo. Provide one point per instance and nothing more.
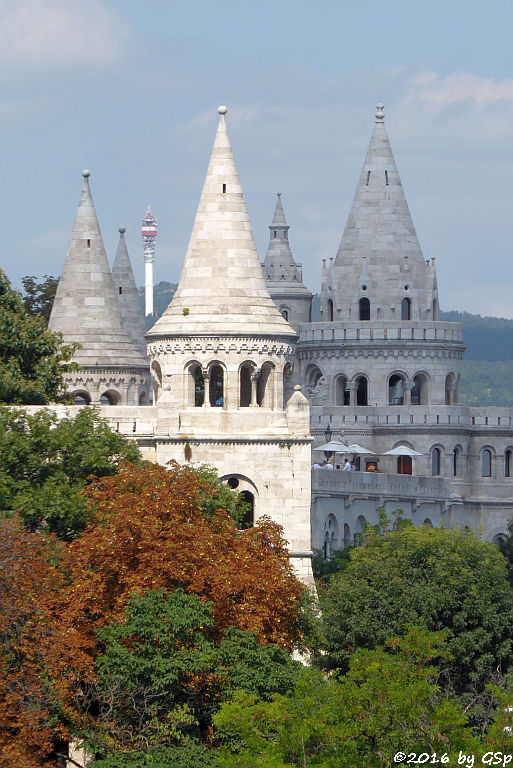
(274, 233)
(406, 309)
(285, 314)
(88, 243)
(330, 310)
(364, 306)
(120, 290)
(368, 178)
(386, 178)
(224, 189)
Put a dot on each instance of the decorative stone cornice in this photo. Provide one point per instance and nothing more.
(182, 345)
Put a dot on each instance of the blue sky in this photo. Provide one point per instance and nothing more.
(130, 90)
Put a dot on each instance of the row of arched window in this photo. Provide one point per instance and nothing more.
(486, 458)
(364, 309)
(109, 397)
(398, 388)
(332, 541)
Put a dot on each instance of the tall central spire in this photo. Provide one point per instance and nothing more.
(222, 290)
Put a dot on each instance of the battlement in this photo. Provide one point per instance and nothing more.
(361, 332)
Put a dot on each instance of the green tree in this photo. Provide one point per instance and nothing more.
(161, 677)
(443, 580)
(38, 296)
(32, 359)
(388, 701)
(44, 463)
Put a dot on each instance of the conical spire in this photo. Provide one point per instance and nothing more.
(380, 223)
(380, 230)
(86, 308)
(279, 215)
(128, 295)
(279, 265)
(222, 290)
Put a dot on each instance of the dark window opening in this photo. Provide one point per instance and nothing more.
(245, 386)
(435, 461)
(368, 178)
(406, 309)
(507, 463)
(233, 482)
(386, 178)
(456, 462)
(486, 463)
(199, 386)
(274, 233)
(216, 389)
(396, 390)
(249, 516)
(224, 189)
(404, 465)
(330, 310)
(120, 290)
(364, 305)
(88, 243)
(362, 391)
(285, 314)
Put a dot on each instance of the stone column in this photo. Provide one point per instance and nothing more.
(254, 380)
(206, 387)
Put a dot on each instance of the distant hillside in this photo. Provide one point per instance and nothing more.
(486, 338)
(163, 292)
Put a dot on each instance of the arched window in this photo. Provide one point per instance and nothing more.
(364, 308)
(143, 398)
(449, 389)
(419, 392)
(248, 520)
(456, 461)
(361, 524)
(406, 309)
(285, 314)
(508, 456)
(435, 309)
(156, 372)
(265, 386)
(196, 386)
(486, 463)
(347, 535)
(245, 385)
(362, 395)
(330, 536)
(436, 456)
(396, 390)
(330, 310)
(500, 539)
(342, 391)
(427, 522)
(81, 398)
(216, 386)
(110, 397)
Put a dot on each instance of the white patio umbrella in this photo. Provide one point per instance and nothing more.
(355, 448)
(335, 446)
(402, 450)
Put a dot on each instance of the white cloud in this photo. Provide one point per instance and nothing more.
(461, 88)
(59, 32)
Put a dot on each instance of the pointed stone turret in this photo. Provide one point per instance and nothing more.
(86, 310)
(128, 295)
(380, 229)
(222, 290)
(283, 276)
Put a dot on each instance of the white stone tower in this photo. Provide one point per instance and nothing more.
(86, 311)
(219, 355)
(149, 236)
(283, 276)
(380, 342)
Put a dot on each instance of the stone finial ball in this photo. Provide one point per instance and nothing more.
(86, 174)
(122, 230)
(297, 387)
(222, 110)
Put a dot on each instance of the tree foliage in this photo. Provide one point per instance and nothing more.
(147, 530)
(32, 359)
(387, 701)
(38, 296)
(45, 462)
(442, 580)
(31, 713)
(160, 677)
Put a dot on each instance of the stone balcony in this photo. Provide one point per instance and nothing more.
(356, 331)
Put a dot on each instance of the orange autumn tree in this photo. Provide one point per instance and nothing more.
(32, 716)
(149, 529)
